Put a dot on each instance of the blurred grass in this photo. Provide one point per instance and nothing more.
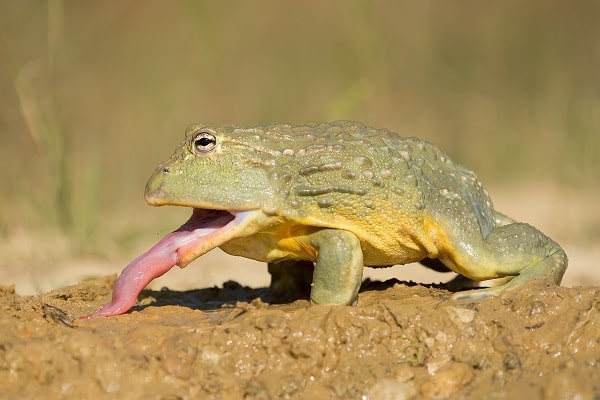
(95, 94)
(51, 140)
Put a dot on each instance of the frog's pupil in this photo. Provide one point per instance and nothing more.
(204, 141)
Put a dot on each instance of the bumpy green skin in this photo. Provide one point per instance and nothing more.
(344, 195)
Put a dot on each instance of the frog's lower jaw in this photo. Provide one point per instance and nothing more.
(205, 230)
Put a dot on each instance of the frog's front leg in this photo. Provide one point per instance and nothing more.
(338, 268)
(510, 249)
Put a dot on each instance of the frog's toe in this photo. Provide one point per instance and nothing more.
(477, 294)
(499, 286)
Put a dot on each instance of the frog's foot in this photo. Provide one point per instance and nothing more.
(290, 279)
(478, 294)
(515, 250)
(548, 271)
(205, 230)
(460, 285)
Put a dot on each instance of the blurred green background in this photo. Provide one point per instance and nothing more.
(94, 94)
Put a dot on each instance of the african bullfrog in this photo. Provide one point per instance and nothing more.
(320, 201)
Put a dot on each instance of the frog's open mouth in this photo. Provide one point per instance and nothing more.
(203, 231)
(207, 229)
(201, 224)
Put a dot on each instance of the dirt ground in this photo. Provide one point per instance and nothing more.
(402, 341)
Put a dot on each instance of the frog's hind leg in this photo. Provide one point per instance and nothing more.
(510, 249)
(460, 282)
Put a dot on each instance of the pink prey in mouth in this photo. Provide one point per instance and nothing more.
(205, 230)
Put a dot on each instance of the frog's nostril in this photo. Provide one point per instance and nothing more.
(166, 170)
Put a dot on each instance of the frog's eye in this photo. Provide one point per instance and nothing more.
(204, 142)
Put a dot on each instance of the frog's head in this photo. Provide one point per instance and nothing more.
(223, 174)
(215, 169)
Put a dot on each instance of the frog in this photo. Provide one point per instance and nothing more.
(318, 202)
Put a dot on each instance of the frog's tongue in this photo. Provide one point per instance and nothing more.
(205, 230)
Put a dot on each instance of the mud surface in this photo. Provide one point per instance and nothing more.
(401, 341)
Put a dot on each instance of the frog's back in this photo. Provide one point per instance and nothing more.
(371, 182)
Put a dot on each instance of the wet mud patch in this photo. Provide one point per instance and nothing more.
(401, 341)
